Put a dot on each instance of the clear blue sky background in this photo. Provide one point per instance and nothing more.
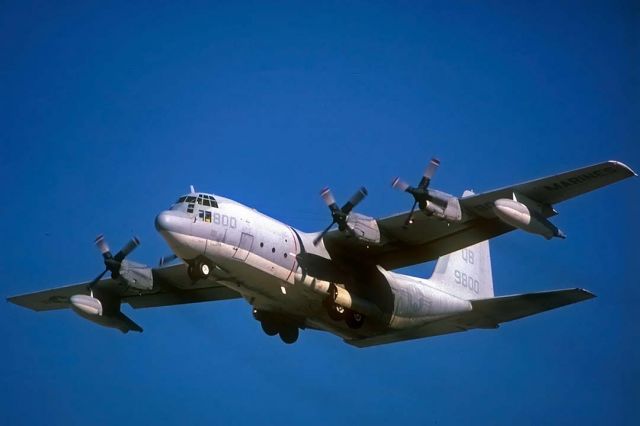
(109, 112)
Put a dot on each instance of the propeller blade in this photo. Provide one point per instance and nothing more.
(355, 200)
(399, 184)
(166, 259)
(103, 246)
(429, 172)
(128, 248)
(96, 279)
(328, 198)
(322, 234)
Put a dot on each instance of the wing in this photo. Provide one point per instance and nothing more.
(553, 189)
(171, 286)
(428, 238)
(486, 313)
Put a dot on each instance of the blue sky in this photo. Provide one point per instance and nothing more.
(110, 111)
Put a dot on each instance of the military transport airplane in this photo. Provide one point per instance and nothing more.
(339, 280)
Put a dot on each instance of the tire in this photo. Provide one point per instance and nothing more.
(192, 272)
(269, 327)
(354, 319)
(289, 334)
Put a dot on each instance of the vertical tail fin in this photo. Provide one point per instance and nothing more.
(465, 273)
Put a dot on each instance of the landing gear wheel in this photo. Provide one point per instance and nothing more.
(269, 327)
(289, 334)
(198, 270)
(205, 269)
(192, 273)
(354, 319)
(336, 312)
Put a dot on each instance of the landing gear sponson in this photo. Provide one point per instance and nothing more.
(273, 324)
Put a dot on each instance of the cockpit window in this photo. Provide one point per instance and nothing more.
(191, 199)
(206, 202)
(181, 200)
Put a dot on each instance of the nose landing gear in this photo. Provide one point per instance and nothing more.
(199, 269)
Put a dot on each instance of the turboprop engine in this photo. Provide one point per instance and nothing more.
(519, 215)
(102, 304)
(432, 202)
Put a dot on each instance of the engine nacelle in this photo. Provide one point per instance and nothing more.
(364, 227)
(520, 216)
(449, 211)
(136, 275)
(442, 205)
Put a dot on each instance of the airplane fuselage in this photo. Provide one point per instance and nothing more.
(257, 256)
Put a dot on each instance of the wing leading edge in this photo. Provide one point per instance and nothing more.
(169, 289)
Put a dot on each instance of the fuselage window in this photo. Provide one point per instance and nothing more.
(204, 215)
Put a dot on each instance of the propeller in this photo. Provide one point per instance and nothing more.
(167, 259)
(339, 215)
(421, 192)
(112, 263)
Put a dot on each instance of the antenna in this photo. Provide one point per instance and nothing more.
(192, 189)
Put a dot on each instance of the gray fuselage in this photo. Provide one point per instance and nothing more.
(257, 256)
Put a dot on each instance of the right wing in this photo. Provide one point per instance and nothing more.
(486, 313)
(171, 286)
(428, 238)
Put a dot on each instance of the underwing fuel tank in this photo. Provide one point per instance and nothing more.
(518, 215)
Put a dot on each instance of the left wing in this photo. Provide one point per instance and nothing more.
(171, 286)
(428, 238)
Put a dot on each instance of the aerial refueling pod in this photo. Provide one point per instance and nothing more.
(519, 215)
(85, 305)
(91, 308)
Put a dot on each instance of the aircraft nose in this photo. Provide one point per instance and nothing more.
(164, 221)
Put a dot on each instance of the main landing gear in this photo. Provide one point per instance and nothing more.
(199, 269)
(339, 313)
(273, 324)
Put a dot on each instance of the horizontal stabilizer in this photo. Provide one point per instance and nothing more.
(486, 313)
(508, 308)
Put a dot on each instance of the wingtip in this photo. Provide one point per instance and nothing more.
(586, 293)
(622, 165)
